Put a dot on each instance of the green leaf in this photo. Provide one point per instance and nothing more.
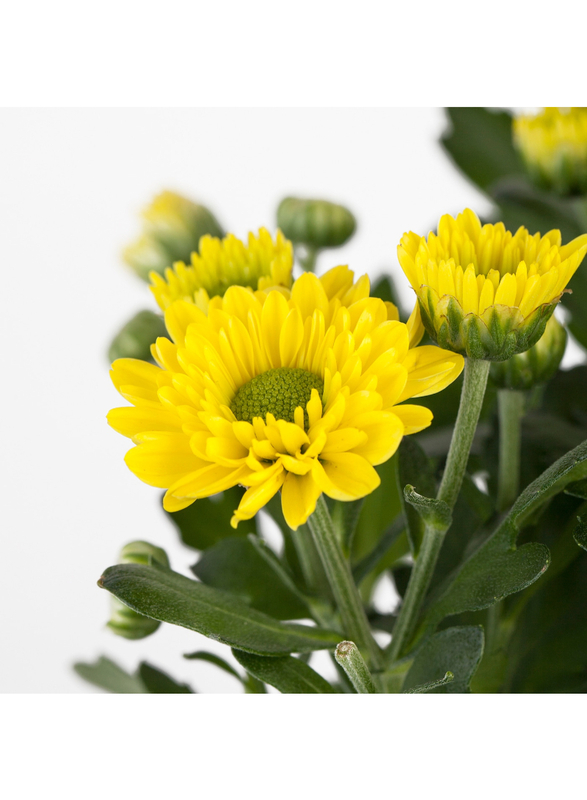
(159, 682)
(134, 339)
(580, 532)
(433, 512)
(373, 559)
(578, 489)
(414, 469)
(455, 650)
(289, 675)
(497, 569)
(108, 675)
(428, 687)
(169, 597)
(211, 658)
(480, 143)
(236, 565)
(207, 521)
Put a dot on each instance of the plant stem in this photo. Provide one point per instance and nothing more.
(350, 659)
(476, 372)
(473, 392)
(308, 261)
(510, 405)
(346, 594)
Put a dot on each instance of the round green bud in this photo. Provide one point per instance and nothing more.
(279, 392)
(172, 229)
(124, 621)
(134, 339)
(315, 223)
(535, 366)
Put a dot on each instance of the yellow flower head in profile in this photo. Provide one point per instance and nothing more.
(300, 391)
(483, 291)
(260, 264)
(553, 145)
(172, 228)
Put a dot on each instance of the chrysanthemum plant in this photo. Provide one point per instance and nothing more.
(308, 402)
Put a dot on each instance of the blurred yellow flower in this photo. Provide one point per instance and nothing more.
(553, 145)
(300, 391)
(260, 264)
(483, 291)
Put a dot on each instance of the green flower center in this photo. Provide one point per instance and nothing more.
(279, 392)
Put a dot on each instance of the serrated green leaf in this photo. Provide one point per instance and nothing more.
(159, 682)
(480, 143)
(415, 469)
(236, 565)
(108, 675)
(169, 597)
(456, 650)
(497, 569)
(207, 521)
(289, 675)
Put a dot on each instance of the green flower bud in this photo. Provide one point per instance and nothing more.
(124, 621)
(537, 365)
(172, 229)
(315, 223)
(134, 340)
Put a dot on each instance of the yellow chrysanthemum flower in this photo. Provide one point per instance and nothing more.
(483, 291)
(220, 264)
(553, 145)
(297, 391)
(172, 229)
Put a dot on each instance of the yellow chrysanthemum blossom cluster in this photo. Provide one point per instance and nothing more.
(483, 291)
(299, 390)
(553, 145)
(223, 263)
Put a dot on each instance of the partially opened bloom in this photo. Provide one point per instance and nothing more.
(483, 291)
(172, 228)
(259, 264)
(297, 391)
(553, 145)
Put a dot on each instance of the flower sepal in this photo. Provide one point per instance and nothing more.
(497, 334)
(536, 365)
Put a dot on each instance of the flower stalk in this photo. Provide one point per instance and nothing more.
(346, 594)
(473, 392)
(510, 405)
(350, 659)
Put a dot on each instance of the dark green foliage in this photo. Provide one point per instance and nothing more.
(455, 650)
(288, 674)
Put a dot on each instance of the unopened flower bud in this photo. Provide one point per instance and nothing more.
(536, 365)
(553, 145)
(315, 223)
(124, 621)
(134, 340)
(172, 229)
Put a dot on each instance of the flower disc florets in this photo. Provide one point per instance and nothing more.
(279, 392)
(483, 291)
(553, 145)
(221, 263)
(300, 391)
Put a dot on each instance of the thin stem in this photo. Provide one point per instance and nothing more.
(510, 406)
(476, 372)
(350, 659)
(308, 261)
(473, 392)
(346, 594)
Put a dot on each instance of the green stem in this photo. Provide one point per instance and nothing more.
(510, 405)
(308, 262)
(472, 394)
(350, 659)
(476, 372)
(346, 594)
